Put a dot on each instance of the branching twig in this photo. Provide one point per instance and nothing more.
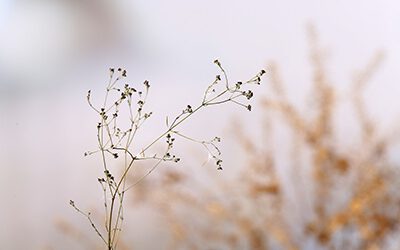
(113, 141)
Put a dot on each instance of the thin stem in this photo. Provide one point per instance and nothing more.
(111, 139)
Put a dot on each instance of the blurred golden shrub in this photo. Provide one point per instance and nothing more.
(331, 197)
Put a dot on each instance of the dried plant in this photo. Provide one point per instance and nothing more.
(332, 196)
(115, 141)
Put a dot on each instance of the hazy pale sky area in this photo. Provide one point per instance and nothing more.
(52, 52)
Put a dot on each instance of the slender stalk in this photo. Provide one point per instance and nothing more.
(112, 140)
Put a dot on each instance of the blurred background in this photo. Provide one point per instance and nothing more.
(337, 62)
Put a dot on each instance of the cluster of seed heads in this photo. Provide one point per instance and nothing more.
(115, 141)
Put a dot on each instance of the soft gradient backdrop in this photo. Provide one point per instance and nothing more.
(52, 52)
